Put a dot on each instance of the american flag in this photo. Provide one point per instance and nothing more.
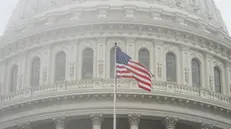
(126, 68)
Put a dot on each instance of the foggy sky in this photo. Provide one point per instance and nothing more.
(7, 6)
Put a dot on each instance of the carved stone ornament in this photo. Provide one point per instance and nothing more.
(59, 122)
(170, 122)
(25, 126)
(186, 75)
(72, 69)
(179, 3)
(97, 119)
(211, 82)
(20, 81)
(101, 67)
(129, 13)
(206, 126)
(102, 13)
(44, 74)
(159, 70)
(134, 119)
(156, 16)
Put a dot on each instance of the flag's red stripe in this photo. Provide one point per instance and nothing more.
(146, 83)
(139, 69)
(119, 66)
(145, 88)
(140, 75)
(145, 71)
(125, 76)
(123, 72)
(133, 68)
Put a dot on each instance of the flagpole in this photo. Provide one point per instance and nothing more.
(115, 92)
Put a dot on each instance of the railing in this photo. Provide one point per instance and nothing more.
(85, 86)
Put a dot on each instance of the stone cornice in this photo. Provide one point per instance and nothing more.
(123, 30)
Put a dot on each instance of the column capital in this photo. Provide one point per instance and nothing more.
(59, 122)
(134, 119)
(97, 119)
(170, 122)
(26, 125)
(206, 126)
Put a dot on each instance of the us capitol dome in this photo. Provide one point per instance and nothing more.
(57, 65)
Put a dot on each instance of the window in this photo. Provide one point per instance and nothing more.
(217, 79)
(14, 79)
(144, 58)
(196, 75)
(60, 66)
(112, 62)
(35, 72)
(87, 64)
(171, 67)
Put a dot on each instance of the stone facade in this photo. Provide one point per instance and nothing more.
(43, 29)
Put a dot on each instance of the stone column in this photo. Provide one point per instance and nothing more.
(97, 120)
(59, 122)
(170, 122)
(134, 120)
(25, 126)
(206, 126)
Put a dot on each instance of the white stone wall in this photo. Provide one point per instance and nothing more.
(101, 48)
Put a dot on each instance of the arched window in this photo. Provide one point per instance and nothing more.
(87, 64)
(112, 62)
(14, 79)
(35, 72)
(144, 58)
(196, 75)
(171, 67)
(60, 66)
(217, 79)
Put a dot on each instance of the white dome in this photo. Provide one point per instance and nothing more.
(56, 65)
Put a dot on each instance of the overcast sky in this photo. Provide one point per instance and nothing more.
(6, 7)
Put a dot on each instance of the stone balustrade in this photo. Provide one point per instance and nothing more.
(106, 86)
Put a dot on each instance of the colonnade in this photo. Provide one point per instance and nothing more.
(133, 119)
